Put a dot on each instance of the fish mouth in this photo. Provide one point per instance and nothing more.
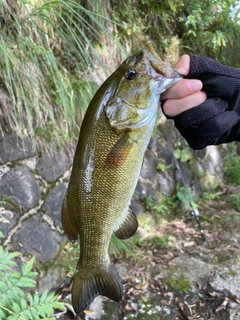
(158, 64)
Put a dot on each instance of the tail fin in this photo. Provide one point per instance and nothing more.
(88, 284)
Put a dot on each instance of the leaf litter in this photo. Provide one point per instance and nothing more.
(169, 275)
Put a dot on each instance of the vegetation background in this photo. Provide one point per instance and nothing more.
(54, 53)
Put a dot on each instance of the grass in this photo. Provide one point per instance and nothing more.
(49, 62)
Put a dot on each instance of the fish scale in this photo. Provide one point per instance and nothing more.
(113, 137)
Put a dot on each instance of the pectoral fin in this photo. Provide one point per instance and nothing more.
(119, 152)
(128, 227)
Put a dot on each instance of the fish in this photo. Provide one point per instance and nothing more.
(113, 137)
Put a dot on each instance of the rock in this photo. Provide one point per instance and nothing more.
(234, 311)
(166, 154)
(145, 190)
(213, 162)
(95, 309)
(52, 166)
(149, 167)
(20, 186)
(227, 280)
(36, 238)
(53, 278)
(184, 174)
(137, 207)
(13, 148)
(5, 227)
(111, 311)
(190, 269)
(165, 183)
(122, 269)
(153, 145)
(53, 203)
(196, 188)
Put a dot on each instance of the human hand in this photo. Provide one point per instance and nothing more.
(217, 119)
(185, 94)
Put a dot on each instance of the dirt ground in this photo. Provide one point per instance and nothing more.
(170, 272)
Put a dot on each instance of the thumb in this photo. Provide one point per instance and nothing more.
(183, 64)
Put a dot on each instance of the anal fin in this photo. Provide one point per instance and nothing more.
(68, 223)
(128, 227)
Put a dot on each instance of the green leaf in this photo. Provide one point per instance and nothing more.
(16, 308)
(2, 313)
(41, 311)
(50, 297)
(49, 309)
(6, 259)
(35, 299)
(13, 317)
(3, 286)
(177, 153)
(43, 296)
(27, 267)
(26, 282)
(58, 305)
(30, 298)
(23, 303)
(16, 275)
(34, 313)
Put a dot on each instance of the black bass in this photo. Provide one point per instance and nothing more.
(113, 138)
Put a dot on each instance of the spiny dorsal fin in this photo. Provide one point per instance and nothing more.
(128, 227)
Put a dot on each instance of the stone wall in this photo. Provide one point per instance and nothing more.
(32, 187)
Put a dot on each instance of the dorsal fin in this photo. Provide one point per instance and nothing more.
(128, 227)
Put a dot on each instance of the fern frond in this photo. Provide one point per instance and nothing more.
(14, 303)
(6, 260)
(41, 306)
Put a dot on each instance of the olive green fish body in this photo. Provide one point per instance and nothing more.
(113, 138)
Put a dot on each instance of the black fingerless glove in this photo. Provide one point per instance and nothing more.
(217, 120)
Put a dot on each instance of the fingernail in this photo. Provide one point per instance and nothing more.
(195, 85)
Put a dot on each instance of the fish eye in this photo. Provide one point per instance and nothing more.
(131, 74)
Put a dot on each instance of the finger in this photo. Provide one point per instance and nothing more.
(181, 89)
(183, 64)
(173, 107)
